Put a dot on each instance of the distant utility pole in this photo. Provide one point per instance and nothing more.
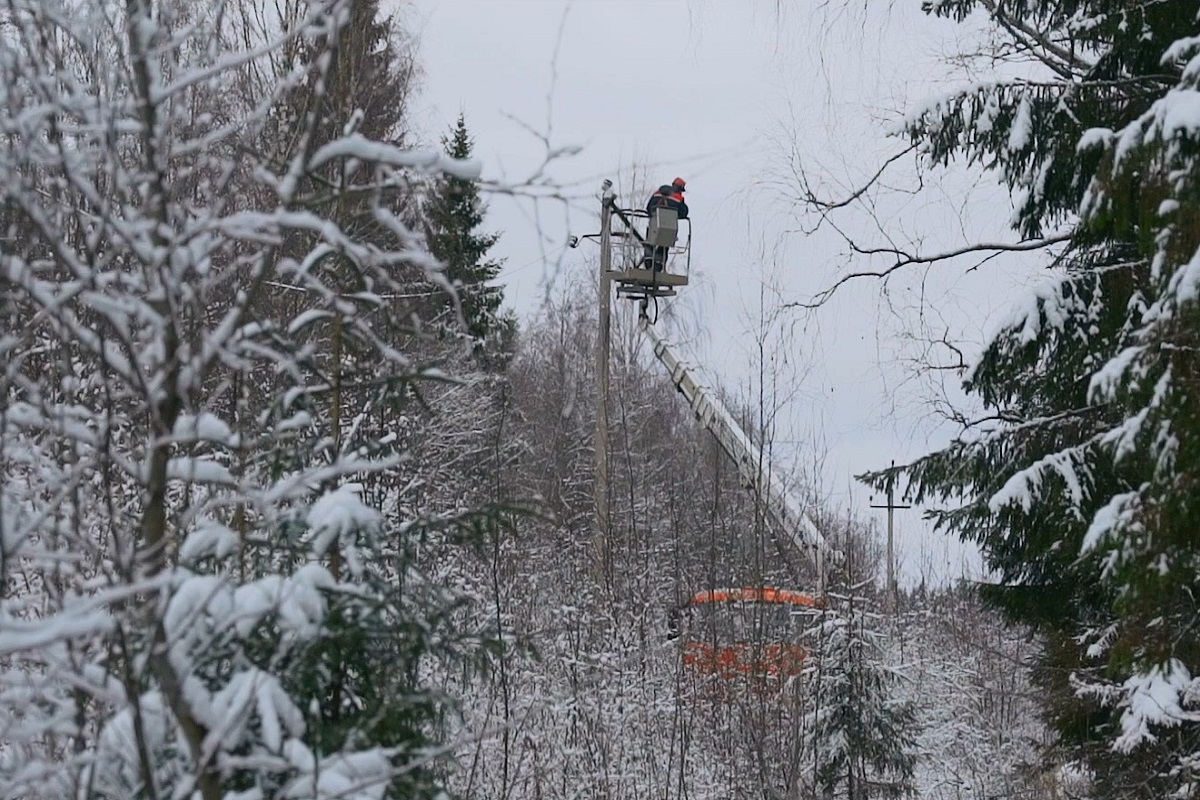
(891, 507)
(603, 345)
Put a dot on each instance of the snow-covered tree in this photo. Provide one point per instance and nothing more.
(1078, 483)
(967, 675)
(860, 730)
(195, 598)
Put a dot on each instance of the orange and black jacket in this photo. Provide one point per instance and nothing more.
(668, 197)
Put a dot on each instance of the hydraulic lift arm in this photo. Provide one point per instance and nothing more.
(754, 469)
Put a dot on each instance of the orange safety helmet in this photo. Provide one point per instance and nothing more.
(680, 184)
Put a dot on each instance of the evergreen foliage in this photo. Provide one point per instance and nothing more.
(863, 734)
(226, 534)
(1079, 484)
(453, 216)
(862, 727)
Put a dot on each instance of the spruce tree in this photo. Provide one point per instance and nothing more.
(453, 217)
(862, 737)
(1079, 484)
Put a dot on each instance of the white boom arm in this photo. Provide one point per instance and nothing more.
(753, 467)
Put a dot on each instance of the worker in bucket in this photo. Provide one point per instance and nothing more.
(669, 195)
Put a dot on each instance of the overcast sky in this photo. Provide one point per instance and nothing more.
(724, 93)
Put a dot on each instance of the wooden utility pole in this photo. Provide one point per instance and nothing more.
(603, 346)
(891, 553)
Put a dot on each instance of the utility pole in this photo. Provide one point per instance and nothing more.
(603, 345)
(891, 507)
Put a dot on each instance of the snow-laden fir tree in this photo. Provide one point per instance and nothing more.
(195, 598)
(861, 732)
(1079, 483)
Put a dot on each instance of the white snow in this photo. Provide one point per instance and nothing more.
(1154, 698)
(339, 513)
(1185, 284)
(254, 600)
(251, 693)
(1180, 113)
(987, 117)
(306, 318)
(116, 764)
(198, 607)
(301, 603)
(1183, 48)
(1025, 485)
(1105, 381)
(202, 427)
(1045, 307)
(357, 146)
(20, 635)
(1116, 512)
(364, 775)
(199, 470)
(1170, 118)
(1125, 435)
(208, 538)
(1021, 132)
(298, 421)
(1095, 137)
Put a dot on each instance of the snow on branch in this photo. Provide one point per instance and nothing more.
(1156, 698)
(356, 146)
(1027, 484)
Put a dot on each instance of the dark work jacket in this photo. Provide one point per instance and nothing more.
(667, 200)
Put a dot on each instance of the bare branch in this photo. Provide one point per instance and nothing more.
(904, 259)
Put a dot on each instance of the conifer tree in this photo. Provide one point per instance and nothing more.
(1079, 483)
(453, 217)
(862, 735)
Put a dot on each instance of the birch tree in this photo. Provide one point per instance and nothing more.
(185, 550)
